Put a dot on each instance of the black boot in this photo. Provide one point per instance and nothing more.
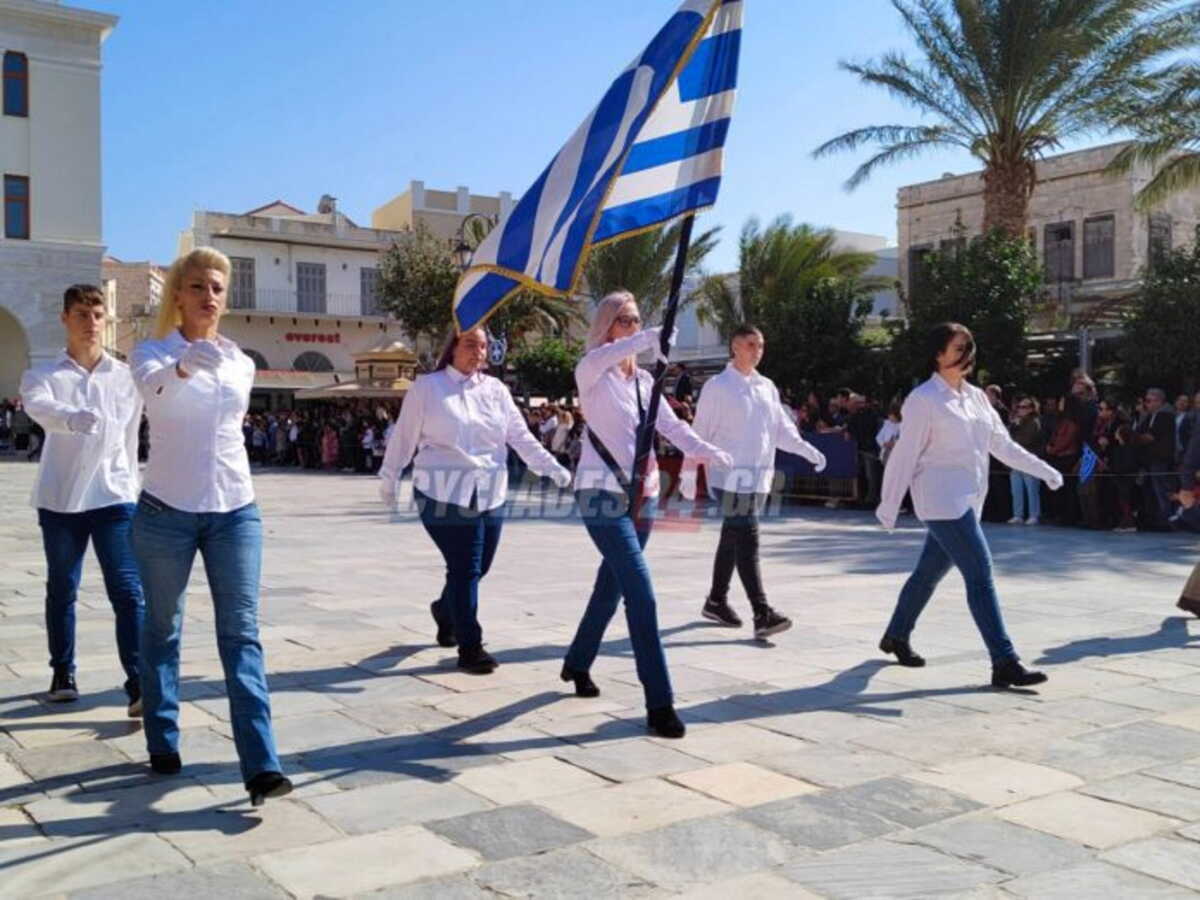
(445, 627)
(267, 784)
(166, 763)
(1011, 673)
(664, 723)
(903, 652)
(720, 612)
(476, 661)
(584, 686)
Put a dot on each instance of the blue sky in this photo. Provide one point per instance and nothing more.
(228, 105)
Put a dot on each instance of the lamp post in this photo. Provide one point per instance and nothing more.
(463, 253)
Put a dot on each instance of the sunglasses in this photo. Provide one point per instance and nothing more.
(626, 321)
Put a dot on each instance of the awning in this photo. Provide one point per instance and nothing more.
(291, 380)
(352, 390)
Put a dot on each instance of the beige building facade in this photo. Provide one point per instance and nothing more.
(133, 292)
(1092, 241)
(441, 212)
(50, 55)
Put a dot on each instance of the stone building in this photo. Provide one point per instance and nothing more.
(50, 154)
(1093, 242)
(133, 291)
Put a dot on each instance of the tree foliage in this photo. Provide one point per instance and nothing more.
(809, 298)
(1161, 342)
(548, 367)
(643, 264)
(417, 276)
(992, 285)
(1009, 80)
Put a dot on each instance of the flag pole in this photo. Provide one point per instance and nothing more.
(645, 437)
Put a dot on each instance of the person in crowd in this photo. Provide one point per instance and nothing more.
(889, 432)
(458, 423)
(329, 448)
(562, 433)
(366, 453)
(197, 496)
(1189, 476)
(1026, 429)
(1063, 452)
(740, 412)
(1122, 461)
(995, 395)
(86, 486)
(950, 428)
(683, 384)
(614, 394)
(1183, 423)
(862, 426)
(1156, 441)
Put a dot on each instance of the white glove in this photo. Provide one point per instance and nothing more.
(886, 519)
(561, 477)
(721, 459)
(83, 422)
(1055, 481)
(819, 464)
(387, 492)
(654, 339)
(200, 356)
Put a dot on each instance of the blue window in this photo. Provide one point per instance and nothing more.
(16, 84)
(16, 207)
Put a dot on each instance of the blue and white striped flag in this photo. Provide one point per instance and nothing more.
(650, 152)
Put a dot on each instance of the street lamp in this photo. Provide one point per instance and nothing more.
(463, 252)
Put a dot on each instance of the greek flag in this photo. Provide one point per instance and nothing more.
(1087, 465)
(650, 152)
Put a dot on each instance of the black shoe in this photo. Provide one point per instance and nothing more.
(1013, 674)
(165, 763)
(62, 686)
(134, 691)
(1189, 605)
(445, 628)
(768, 622)
(664, 723)
(476, 662)
(584, 686)
(267, 784)
(904, 653)
(719, 612)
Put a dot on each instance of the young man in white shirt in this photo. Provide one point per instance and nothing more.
(87, 485)
(740, 412)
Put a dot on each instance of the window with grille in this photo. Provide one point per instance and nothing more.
(310, 287)
(368, 288)
(1099, 254)
(1059, 250)
(312, 361)
(16, 207)
(1160, 235)
(241, 287)
(16, 84)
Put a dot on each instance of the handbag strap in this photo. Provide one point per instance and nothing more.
(625, 481)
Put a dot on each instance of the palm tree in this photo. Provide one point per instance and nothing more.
(642, 264)
(1009, 80)
(1167, 129)
(776, 265)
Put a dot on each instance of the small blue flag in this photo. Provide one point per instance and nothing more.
(1087, 465)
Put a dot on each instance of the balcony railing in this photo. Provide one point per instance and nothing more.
(303, 303)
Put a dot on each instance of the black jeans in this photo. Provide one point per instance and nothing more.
(738, 547)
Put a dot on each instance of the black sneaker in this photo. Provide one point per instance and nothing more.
(1012, 674)
(476, 662)
(768, 622)
(665, 723)
(166, 763)
(445, 627)
(267, 784)
(62, 687)
(720, 612)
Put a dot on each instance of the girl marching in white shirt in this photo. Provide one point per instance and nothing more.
(613, 394)
(740, 412)
(197, 496)
(459, 422)
(941, 456)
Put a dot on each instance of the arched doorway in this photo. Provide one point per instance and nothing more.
(14, 354)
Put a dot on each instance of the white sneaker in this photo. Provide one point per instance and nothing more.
(1015, 520)
(1032, 520)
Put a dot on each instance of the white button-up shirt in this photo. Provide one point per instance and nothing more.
(942, 453)
(79, 472)
(460, 427)
(610, 405)
(198, 459)
(742, 414)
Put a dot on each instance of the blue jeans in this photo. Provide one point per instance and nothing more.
(957, 542)
(1024, 486)
(467, 539)
(65, 538)
(622, 573)
(165, 541)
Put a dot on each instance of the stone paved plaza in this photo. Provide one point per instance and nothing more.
(812, 768)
